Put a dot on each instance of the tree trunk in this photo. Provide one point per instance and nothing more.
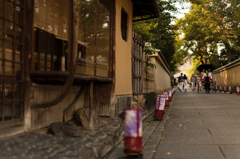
(229, 54)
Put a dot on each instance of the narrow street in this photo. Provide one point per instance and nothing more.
(198, 126)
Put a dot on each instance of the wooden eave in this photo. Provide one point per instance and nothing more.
(145, 8)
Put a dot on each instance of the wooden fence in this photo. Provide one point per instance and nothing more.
(137, 64)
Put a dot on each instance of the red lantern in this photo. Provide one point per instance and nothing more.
(133, 131)
(230, 89)
(225, 89)
(167, 99)
(238, 90)
(160, 107)
(170, 95)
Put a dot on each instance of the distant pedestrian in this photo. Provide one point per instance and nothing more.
(199, 82)
(193, 81)
(185, 82)
(180, 81)
(210, 72)
(207, 82)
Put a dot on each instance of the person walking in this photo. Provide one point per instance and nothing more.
(193, 81)
(180, 82)
(185, 83)
(199, 82)
(207, 82)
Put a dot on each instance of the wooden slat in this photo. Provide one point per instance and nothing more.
(91, 106)
(112, 96)
(46, 51)
(13, 59)
(95, 40)
(3, 57)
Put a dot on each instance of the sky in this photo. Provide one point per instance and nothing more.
(182, 9)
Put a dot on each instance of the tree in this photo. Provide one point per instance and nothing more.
(210, 25)
(161, 33)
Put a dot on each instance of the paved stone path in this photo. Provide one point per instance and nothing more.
(92, 144)
(199, 126)
(202, 126)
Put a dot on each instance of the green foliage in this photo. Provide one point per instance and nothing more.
(161, 33)
(148, 63)
(210, 24)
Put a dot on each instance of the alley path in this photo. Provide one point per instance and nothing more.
(200, 125)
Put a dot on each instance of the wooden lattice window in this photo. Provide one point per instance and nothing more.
(124, 24)
(50, 35)
(11, 59)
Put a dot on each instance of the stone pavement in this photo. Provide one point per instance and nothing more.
(91, 144)
(199, 126)
(202, 126)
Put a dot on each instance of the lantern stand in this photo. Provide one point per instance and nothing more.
(160, 107)
(238, 90)
(167, 98)
(170, 94)
(230, 89)
(133, 130)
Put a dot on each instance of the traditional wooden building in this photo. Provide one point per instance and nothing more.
(60, 55)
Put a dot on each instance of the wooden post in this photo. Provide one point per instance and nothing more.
(113, 61)
(91, 106)
(95, 40)
(27, 62)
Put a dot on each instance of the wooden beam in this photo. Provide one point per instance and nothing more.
(152, 17)
(113, 65)
(143, 3)
(95, 40)
(46, 75)
(29, 38)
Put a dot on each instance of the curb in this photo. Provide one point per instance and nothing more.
(122, 135)
(164, 121)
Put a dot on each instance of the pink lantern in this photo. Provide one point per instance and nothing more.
(133, 131)
(225, 89)
(230, 89)
(160, 107)
(167, 98)
(170, 95)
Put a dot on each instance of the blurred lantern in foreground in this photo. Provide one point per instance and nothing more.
(225, 89)
(133, 130)
(160, 107)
